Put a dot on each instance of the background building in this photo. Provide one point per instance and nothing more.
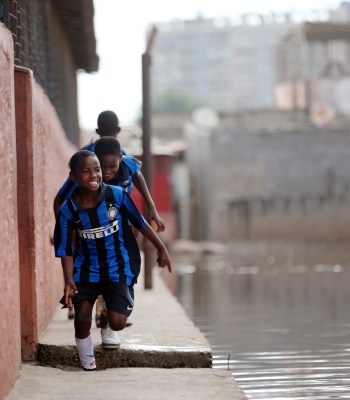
(54, 38)
(313, 71)
(227, 66)
(265, 169)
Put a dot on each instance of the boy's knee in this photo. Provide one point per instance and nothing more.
(118, 323)
(82, 320)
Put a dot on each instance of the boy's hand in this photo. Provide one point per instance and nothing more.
(154, 216)
(160, 224)
(163, 259)
(70, 290)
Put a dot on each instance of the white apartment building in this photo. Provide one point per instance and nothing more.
(228, 66)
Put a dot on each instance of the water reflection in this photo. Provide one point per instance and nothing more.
(276, 315)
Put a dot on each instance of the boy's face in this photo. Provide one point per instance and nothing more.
(88, 175)
(109, 166)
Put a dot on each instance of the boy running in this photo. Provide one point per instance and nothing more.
(106, 259)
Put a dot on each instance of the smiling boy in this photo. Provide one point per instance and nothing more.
(106, 259)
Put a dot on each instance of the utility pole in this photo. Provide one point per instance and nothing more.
(146, 143)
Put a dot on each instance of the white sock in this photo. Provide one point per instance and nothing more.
(86, 352)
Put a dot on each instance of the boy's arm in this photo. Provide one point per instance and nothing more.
(138, 221)
(140, 183)
(57, 204)
(163, 258)
(63, 249)
(69, 286)
(63, 194)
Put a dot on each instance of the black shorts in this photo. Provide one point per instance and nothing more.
(118, 296)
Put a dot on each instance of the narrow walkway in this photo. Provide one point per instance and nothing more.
(161, 335)
(161, 338)
(43, 383)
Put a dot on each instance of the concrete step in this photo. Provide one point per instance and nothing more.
(161, 336)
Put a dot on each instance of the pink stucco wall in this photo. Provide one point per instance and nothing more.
(52, 152)
(10, 349)
(42, 160)
(34, 154)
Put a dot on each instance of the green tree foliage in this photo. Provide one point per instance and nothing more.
(174, 101)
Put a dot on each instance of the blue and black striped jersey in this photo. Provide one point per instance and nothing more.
(128, 167)
(106, 248)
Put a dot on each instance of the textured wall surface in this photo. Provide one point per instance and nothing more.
(279, 180)
(303, 177)
(10, 346)
(42, 159)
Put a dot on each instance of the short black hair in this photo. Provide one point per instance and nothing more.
(107, 146)
(108, 121)
(76, 157)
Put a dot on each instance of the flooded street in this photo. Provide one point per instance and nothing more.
(276, 315)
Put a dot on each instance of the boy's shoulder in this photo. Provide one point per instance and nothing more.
(116, 190)
(131, 161)
(131, 165)
(90, 146)
(67, 208)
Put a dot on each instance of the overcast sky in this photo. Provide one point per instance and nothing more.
(120, 32)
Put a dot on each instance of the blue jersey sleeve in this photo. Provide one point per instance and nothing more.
(66, 190)
(132, 213)
(63, 233)
(133, 165)
(90, 147)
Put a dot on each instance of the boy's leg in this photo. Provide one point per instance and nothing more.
(82, 324)
(119, 300)
(86, 353)
(101, 318)
(82, 320)
(116, 320)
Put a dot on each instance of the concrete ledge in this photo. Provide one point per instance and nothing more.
(161, 336)
(42, 383)
(62, 356)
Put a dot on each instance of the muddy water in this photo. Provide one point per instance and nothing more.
(277, 315)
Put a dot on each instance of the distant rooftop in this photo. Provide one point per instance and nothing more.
(248, 19)
(319, 32)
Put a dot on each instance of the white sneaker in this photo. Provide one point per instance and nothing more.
(110, 339)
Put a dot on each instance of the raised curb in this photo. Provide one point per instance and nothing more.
(161, 336)
(61, 356)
